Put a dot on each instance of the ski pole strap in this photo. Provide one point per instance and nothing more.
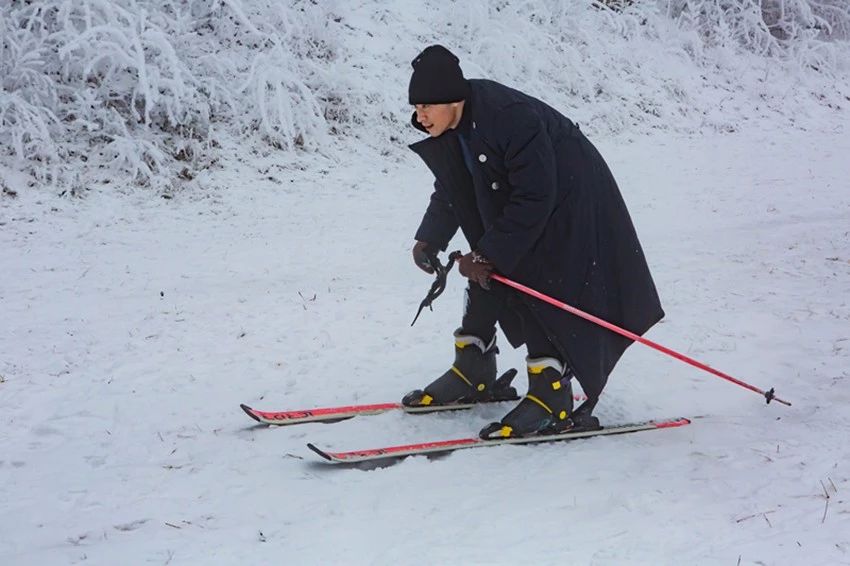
(439, 284)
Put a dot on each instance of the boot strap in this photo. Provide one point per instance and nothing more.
(537, 400)
(479, 387)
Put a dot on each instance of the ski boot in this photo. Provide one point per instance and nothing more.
(547, 408)
(472, 378)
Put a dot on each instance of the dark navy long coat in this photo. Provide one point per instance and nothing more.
(541, 204)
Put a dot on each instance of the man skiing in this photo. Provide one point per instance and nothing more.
(538, 204)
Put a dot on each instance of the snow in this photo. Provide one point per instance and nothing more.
(133, 326)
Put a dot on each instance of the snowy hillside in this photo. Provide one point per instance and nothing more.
(278, 274)
(100, 92)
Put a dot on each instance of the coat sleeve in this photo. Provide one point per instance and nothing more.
(531, 169)
(439, 224)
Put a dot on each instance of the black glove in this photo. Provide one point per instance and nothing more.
(476, 268)
(421, 253)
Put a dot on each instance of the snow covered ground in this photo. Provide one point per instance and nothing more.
(133, 327)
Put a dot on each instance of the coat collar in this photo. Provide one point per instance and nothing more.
(444, 158)
(416, 123)
(464, 127)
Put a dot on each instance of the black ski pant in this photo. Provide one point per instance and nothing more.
(482, 312)
(483, 309)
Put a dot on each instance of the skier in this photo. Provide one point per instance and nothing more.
(538, 204)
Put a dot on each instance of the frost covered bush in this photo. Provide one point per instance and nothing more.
(109, 85)
(134, 92)
(765, 26)
(623, 66)
(150, 92)
(795, 30)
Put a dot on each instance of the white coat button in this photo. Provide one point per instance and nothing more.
(473, 125)
(495, 186)
(482, 158)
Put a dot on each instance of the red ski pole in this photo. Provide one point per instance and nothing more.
(768, 395)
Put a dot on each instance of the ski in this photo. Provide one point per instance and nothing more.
(335, 414)
(443, 446)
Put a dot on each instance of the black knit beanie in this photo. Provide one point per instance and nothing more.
(437, 78)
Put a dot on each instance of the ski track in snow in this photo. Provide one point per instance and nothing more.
(133, 328)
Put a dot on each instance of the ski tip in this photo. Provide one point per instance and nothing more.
(319, 451)
(672, 423)
(250, 412)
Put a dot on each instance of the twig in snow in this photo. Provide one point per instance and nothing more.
(305, 300)
(826, 505)
(742, 519)
(739, 560)
(766, 519)
(172, 526)
(762, 454)
(834, 489)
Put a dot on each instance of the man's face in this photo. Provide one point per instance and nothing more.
(437, 118)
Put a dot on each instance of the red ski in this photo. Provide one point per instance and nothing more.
(442, 446)
(334, 414)
(327, 414)
(502, 392)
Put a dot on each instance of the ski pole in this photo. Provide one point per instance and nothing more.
(768, 395)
